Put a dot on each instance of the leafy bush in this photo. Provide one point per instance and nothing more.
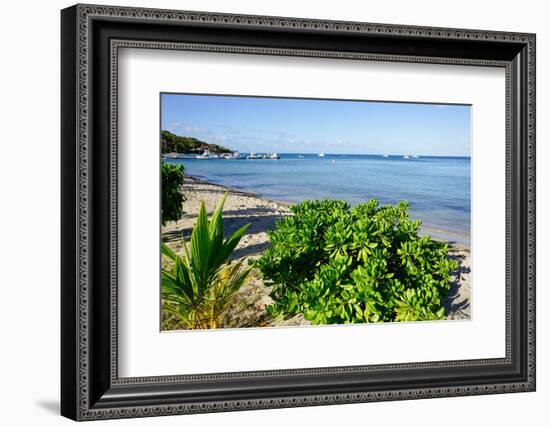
(337, 264)
(172, 180)
(199, 286)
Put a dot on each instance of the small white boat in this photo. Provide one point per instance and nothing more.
(273, 156)
(322, 154)
(205, 156)
(406, 156)
(385, 155)
(254, 156)
(300, 156)
(415, 156)
(171, 155)
(231, 156)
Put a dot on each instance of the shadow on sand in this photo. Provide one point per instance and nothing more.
(260, 219)
(454, 307)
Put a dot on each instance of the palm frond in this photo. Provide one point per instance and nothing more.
(199, 286)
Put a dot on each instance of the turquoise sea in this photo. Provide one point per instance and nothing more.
(437, 188)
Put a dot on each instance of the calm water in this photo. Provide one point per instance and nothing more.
(437, 188)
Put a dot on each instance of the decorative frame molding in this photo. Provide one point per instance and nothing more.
(91, 388)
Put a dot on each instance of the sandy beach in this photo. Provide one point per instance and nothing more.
(248, 309)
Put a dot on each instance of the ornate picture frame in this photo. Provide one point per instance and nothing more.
(91, 37)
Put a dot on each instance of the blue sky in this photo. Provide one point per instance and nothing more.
(311, 126)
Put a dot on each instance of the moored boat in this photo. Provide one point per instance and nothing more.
(254, 156)
(230, 156)
(206, 155)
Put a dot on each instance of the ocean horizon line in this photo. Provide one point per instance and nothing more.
(325, 153)
(364, 155)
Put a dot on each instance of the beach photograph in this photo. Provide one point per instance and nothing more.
(281, 212)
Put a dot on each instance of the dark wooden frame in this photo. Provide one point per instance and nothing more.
(90, 386)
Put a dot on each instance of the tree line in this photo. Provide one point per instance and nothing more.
(188, 145)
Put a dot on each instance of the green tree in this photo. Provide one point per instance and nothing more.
(172, 198)
(186, 144)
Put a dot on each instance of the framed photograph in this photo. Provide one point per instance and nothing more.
(263, 212)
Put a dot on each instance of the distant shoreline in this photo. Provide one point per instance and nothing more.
(192, 155)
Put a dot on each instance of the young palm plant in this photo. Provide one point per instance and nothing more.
(201, 284)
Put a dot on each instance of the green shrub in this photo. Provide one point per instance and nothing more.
(337, 264)
(172, 198)
(199, 287)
